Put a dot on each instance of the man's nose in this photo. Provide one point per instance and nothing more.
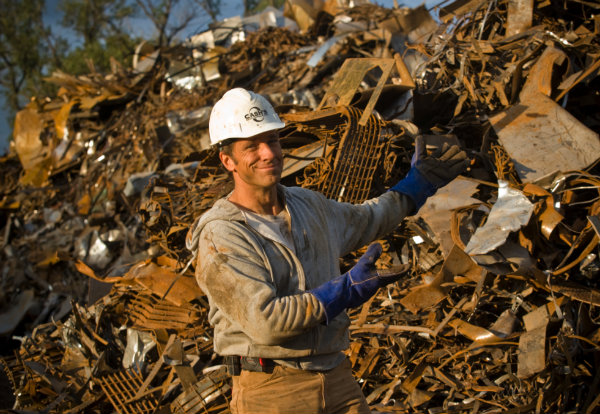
(266, 151)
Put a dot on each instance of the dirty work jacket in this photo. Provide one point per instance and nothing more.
(256, 287)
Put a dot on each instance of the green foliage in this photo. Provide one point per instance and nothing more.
(256, 6)
(250, 6)
(30, 51)
(94, 20)
(100, 27)
(24, 52)
(99, 53)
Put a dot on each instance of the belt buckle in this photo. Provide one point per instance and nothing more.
(257, 364)
(250, 364)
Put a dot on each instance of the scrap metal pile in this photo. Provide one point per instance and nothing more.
(99, 309)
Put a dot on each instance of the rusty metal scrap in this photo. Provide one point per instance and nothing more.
(198, 399)
(100, 311)
(121, 387)
(345, 174)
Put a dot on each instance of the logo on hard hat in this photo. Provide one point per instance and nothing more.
(256, 114)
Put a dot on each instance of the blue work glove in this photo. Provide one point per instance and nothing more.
(429, 172)
(354, 287)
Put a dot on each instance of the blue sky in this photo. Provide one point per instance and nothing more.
(229, 8)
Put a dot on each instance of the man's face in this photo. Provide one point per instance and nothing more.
(256, 161)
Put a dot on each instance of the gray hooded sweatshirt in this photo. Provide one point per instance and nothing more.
(257, 287)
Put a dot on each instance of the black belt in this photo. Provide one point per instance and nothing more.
(235, 364)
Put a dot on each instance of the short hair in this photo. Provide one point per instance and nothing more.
(226, 146)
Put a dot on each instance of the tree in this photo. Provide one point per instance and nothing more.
(211, 7)
(30, 51)
(95, 19)
(100, 25)
(25, 52)
(250, 6)
(162, 15)
(254, 6)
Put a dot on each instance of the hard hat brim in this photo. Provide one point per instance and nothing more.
(271, 126)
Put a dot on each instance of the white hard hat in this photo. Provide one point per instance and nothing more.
(241, 114)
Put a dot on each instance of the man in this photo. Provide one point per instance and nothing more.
(268, 261)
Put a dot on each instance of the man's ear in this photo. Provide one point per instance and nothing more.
(227, 161)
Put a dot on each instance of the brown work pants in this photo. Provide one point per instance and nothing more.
(295, 391)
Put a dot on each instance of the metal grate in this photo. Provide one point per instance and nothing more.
(348, 177)
(356, 159)
(149, 312)
(121, 388)
(359, 133)
(205, 395)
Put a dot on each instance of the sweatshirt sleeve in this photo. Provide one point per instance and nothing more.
(356, 225)
(236, 276)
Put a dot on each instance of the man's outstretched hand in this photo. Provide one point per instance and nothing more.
(430, 172)
(442, 166)
(357, 285)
